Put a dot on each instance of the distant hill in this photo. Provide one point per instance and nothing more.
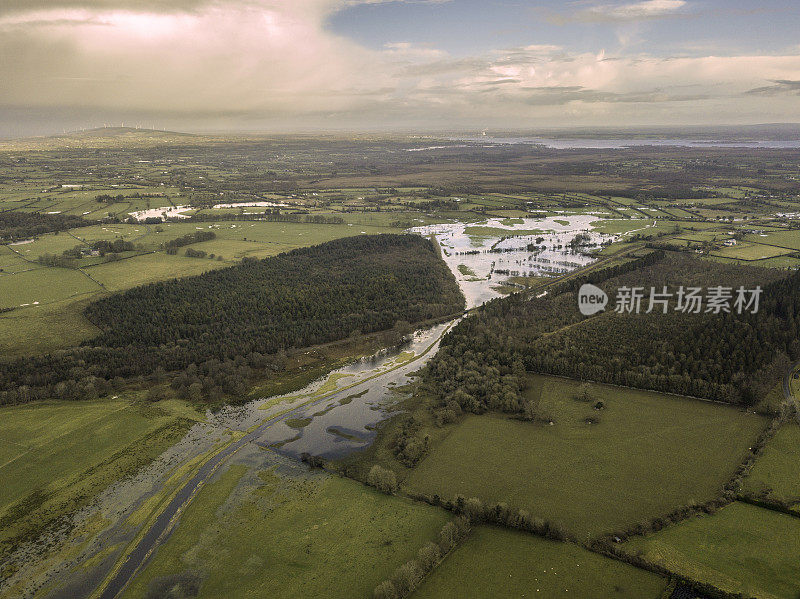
(103, 137)
(123, 132)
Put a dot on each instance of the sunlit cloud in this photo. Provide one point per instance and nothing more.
(272, 63)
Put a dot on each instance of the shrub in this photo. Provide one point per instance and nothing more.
(382, 479)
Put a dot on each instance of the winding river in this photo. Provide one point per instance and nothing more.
(331, 417)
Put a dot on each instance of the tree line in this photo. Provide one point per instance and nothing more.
(482, 362)
(210, 333)
(24, 225)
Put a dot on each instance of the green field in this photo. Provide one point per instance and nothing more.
(288, 533)
(480, 231)
(649, 454)
(44, 286)
(777, 471)
(56, 454)
(495, 562)
(786, 239)
(148, 268)
(751, 251)
(741, 548)
(43, 328)
(622, 226)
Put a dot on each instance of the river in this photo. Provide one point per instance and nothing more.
(331, 417)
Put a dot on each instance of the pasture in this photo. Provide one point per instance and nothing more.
(776, 473)
(740, 549)
(524, 565)
(58, 453)
(648, 454)
(287, 533)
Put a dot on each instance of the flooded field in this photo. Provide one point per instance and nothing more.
(484, 255)
(339, 413)
(179, 211)
(112, 538)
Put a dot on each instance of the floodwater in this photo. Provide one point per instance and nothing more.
(331, 417)
(622, 143)
(488, 258)
(178, 211)
(166, 212)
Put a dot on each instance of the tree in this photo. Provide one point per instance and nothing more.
(448, 537)
(428, 555)
(386, 590)
(382, 479)
(407, 577)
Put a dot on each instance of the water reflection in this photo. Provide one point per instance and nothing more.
(486, 254)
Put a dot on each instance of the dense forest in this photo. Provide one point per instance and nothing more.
(220, 327)
(23, 225)
(730, 357)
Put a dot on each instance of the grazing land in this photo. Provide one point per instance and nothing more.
(154, 275)
(287, 533)
(57, 454)
(526, 566)
(775, 473)
(646, 455)
(741, 549)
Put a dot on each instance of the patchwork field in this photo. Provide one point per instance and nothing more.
(288, 533)
(44, 286)
(648, 454)
(776, 473)
(786, 239)
(741, 548)
(752, 251)
(523, 565)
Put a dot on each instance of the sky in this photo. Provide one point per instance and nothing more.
(407, 65)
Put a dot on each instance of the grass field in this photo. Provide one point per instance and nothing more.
(44, 286)
(148, 268)
(751, 251)
(786, 239)
(43, 328)
(648, 455)
(289, 533)
(741, 548)
(56, 454)
(777, 470)
(622, 226)
(495, 562)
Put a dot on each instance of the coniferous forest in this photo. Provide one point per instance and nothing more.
(728, 357)
(22, 225)
(220, 326)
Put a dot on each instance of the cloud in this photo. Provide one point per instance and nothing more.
(781, 86)
(275, 64)
(621, 12)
